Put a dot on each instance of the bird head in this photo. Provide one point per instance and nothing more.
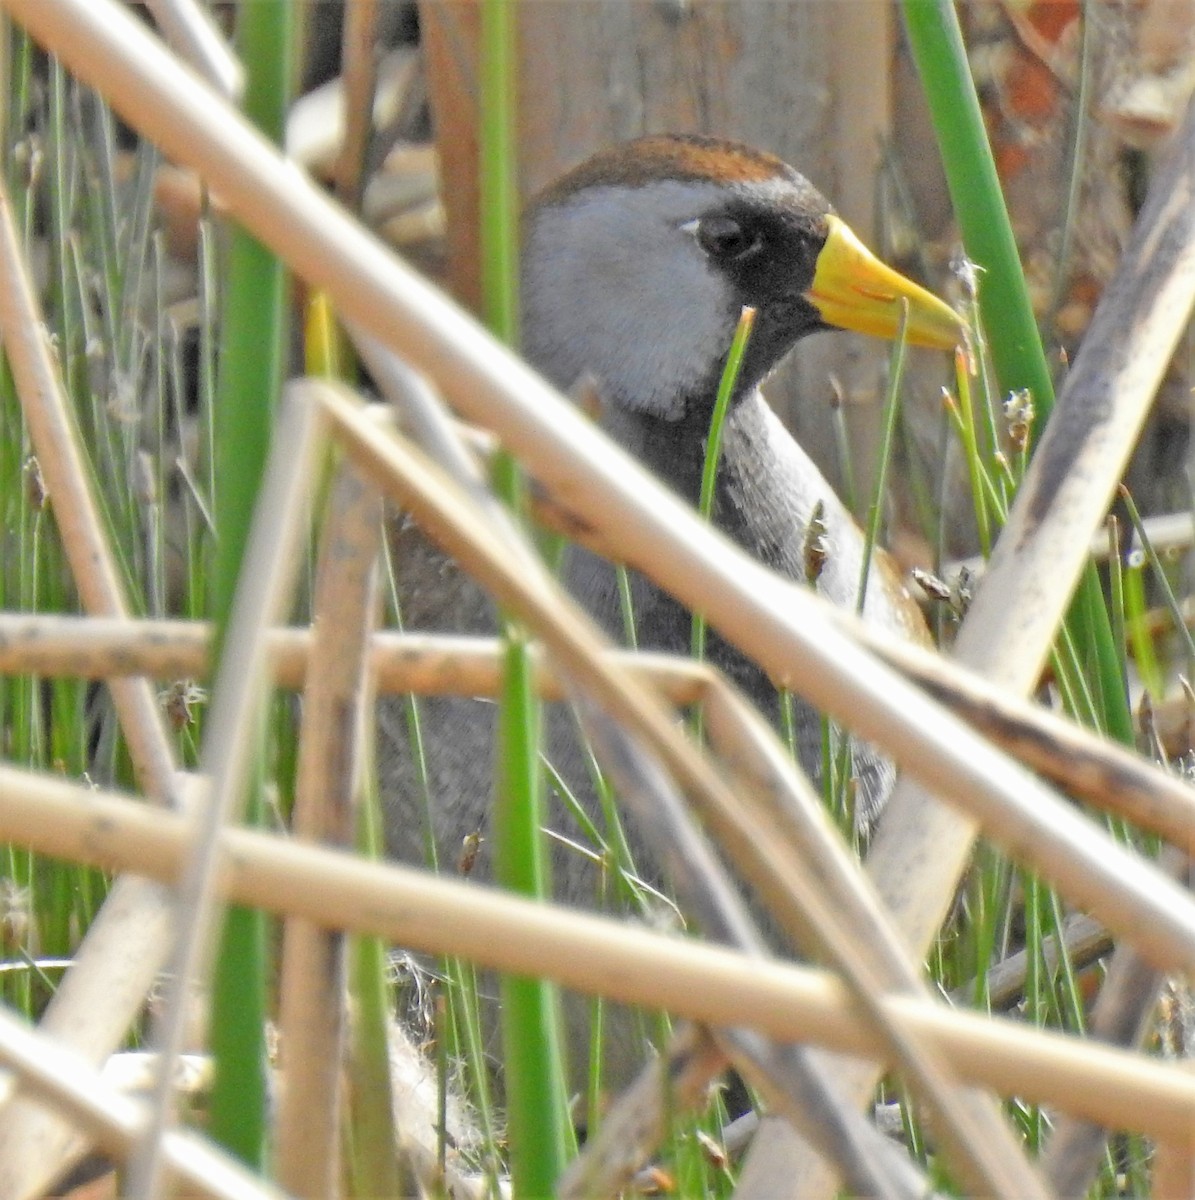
(638, 263)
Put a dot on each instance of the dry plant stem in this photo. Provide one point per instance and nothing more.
(53, 434)
(1080, 763)
(797, 1090)
(373, 288)
(313, 970)
(765, 773)
(1032, 823)
(771, 621)
(116, 963)
(360, 82)
(127, 650)
(1084, 940)
(1167, 532)
(864, 1150)
(767, 782)
(786, 1075)
(965, 1118)
(865, 946)
(921, 847)
(189, 29)
(711, 984)
(427, 664)
(1088, 767)
(1012, 621)
(421, 410)
(985, 1154)
(1173, 1173)
(432, 349)
(92, 1010)
(230, 738)
(677, 1081)
(1126, 1001)
(62, 1079)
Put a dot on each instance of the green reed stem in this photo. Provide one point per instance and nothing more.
(255, 342)
(713, 447)
(539, 1131)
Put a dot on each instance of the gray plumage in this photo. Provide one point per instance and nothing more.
(635, 269)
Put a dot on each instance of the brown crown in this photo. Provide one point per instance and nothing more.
(685, 157)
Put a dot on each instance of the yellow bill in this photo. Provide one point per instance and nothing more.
(852, 289)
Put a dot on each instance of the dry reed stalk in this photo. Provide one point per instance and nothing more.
(1025, 818)
(230, 742)
(703, 982)
(190, 30)
(630, 1133)
(781, 1073)
(1128, 998)
(360, 84)
(777, 624)
(922, 846)
(58, 1077)
(313, 971)
(1082, 764)
(53, 434)
(923, 750)
(115, 965)
(427, 664)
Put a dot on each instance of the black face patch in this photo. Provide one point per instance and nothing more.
(767, 253)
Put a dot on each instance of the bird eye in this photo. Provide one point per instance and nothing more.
(723, 237)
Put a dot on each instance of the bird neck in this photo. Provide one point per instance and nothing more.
(672, 447)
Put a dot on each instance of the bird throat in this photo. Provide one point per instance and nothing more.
(672, 445)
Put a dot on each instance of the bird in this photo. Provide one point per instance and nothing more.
(636, 266)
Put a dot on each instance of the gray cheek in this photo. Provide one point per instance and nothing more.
(632, 303)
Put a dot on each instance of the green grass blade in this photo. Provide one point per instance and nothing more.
(937, 44)
(251, 370)
(975, 467)
(713, 446)
(537, 1109)
(1018, 359)
(499, 177)
(896, 370)
(1169, 597)
(537, 1113)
